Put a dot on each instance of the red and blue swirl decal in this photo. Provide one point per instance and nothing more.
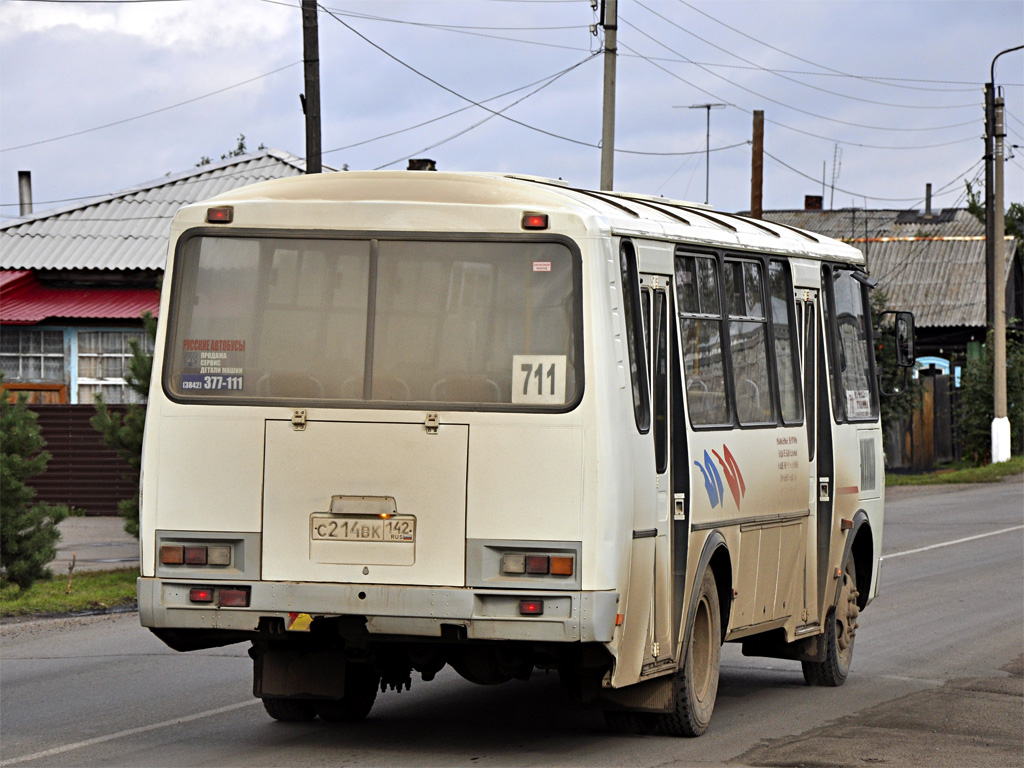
(713, 479)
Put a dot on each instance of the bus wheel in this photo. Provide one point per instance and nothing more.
(840, 632)
(696, 683)
(289, 710)
(361, 685)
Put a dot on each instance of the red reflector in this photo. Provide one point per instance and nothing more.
(170, 555)
(220, 215)
(201, 595)
(531, 607)
(535, 221)
(233, 598)
(536, 563)
(195, 555)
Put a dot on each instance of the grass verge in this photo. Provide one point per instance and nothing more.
(90, 591)
(991, 473)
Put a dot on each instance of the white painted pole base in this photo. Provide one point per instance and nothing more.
(1000, 440)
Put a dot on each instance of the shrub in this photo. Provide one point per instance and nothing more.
(28, 531)
(977, 408)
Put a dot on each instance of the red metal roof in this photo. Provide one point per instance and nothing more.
(23, 301)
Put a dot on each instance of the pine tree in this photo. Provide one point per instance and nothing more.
(28, 529)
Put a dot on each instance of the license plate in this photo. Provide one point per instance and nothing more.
(396, 529)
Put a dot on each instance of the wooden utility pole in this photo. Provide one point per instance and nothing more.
(757, 166)
(610, 22)
(311, 98)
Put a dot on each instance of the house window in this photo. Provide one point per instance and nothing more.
(103, 358)
(27, 354)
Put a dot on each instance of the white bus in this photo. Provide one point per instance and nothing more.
(400, 420)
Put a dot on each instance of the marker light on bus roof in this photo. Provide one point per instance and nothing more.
(535, 221)
(223, 215)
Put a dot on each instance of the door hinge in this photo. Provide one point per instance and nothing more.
(655, 649)
(299, 419)
(432, 423)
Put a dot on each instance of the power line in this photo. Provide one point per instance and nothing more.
(484, 120)
(496, 113)
(453, 112)
(145, 114)
(878, 80)
(789, 106)
(799, 82)
(829, 139)
(859, 194)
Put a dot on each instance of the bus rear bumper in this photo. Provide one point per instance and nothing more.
(566, 616)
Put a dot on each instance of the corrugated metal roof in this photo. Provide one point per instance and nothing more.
(855, 224)
(128, 230)
(942, 281)
(24, 301)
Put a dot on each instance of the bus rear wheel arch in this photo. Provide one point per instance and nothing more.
(695, 687)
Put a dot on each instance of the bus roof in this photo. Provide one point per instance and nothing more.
(622, 213)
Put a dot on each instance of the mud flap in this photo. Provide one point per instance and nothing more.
(655, 695)
(280, 673)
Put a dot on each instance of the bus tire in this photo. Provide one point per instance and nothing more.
(840, 632)
(289, 710)
(361, 685)
(696, 683)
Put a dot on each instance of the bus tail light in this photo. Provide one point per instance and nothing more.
(233, 598)
(172, 555)
(195, 554)
(516, 564)
(531, 607)
(537, 564)
(561, 565)
(200, 595)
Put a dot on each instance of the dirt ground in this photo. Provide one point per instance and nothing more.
(968, 722)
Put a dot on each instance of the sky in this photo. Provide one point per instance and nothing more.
(865, 102)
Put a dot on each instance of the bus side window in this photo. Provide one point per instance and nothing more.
(787, 362)
(633, 315)
(854, 387)
(748, 342)
(700, 324)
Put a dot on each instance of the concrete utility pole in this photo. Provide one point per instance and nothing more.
(610, 22)
(757, 166)
(311, 98)
(995, 244)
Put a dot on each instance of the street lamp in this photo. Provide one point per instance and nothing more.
(707, 145)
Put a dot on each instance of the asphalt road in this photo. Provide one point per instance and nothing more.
(935, 681)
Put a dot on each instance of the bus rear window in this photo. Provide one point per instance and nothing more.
(414, 321)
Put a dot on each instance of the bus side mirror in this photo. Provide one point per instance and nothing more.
(903, 331)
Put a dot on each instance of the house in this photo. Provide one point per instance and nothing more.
(74, 282)
(932, 264)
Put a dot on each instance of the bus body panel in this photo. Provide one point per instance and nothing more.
(478, 483)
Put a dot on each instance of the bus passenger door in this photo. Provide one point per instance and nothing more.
(807, 316)
(656, 304)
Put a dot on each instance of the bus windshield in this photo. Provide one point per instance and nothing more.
(481, 323)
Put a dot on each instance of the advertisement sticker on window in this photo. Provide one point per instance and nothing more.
(213, 364)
